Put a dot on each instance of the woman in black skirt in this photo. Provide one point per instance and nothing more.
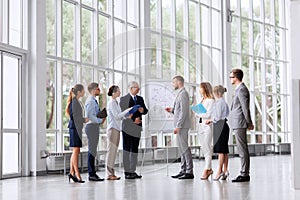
(220, 131)
(74, 109)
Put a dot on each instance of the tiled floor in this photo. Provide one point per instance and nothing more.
(270, 179)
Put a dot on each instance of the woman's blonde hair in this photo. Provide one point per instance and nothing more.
(73, 93)
(219, 90)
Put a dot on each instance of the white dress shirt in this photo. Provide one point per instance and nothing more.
(115, 115)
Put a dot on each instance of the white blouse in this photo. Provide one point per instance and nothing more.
(208, 104)
(115, 115)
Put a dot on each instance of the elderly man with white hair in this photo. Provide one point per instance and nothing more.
(131, 129)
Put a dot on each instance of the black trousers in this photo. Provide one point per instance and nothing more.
(130, 152)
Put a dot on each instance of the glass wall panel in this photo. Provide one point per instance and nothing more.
(245, 34)
(216, 29)
(87, 48)
(69, 80)
(235, 29)
(10, 80)
(15, 22)
(268, 14)
(269, 76)
(179, 16)
(132, 11)
(245, 9)
(51, 26)
(10, 162)
(51, 94)
(87, 2)
(103, 43)
(257, 10)
(68, 42)
(102, 5)
(166, 15)
(119, 5)
(180, 57)
(153, 13)
(269, 41)
(205, 25)
(192, 20)
(166, 58)
(118, 45)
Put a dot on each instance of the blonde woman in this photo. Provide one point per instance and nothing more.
(205, 130)
(221, 131)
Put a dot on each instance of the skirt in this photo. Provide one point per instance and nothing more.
(220, 137)
(75, 138)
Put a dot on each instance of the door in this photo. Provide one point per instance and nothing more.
(10, 113)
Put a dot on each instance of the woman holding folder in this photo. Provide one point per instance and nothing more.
(115, 117)
(205, 130)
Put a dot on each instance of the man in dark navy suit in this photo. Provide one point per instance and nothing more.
(131, 129)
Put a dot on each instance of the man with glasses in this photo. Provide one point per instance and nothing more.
(131, 129)
(240, 120)
(92, 129)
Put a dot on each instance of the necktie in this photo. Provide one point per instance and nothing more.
(134, 99)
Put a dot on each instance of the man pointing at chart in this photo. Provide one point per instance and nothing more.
(182, 125)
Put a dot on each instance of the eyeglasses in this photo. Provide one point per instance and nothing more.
(231, 76)
(135, 87)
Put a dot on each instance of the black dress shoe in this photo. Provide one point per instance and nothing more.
(178, 175)
(136, 175)
(241, 179)
(129, 176)
(187, 176)
(95, 178)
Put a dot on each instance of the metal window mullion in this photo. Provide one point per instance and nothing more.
(159, 69)
(173, 39)
(124, 52)
(59, 28)
(198, 46)
(95, 29)
(59, 134)
(186, 42)
(77, 34)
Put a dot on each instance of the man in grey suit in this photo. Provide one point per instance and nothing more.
(182, 125)
(240, 121)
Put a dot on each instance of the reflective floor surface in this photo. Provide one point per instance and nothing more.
(270, 179)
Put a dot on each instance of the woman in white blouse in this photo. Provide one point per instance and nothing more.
(205, 130)
(115, 116)
(221, 131)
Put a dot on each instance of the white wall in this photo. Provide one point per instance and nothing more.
(294, 20)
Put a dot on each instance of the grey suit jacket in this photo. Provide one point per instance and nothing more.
(239, 116)
(181, 110)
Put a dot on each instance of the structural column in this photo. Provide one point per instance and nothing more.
(36, 117)
(294, 25)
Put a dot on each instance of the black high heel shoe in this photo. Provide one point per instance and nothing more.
(74, 178)
(79, 180)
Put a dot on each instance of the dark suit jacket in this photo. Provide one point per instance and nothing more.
(76, 116)
(128, 125)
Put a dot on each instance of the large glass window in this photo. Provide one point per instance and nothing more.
(262, 30)
(82, 32)
(14, 20)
